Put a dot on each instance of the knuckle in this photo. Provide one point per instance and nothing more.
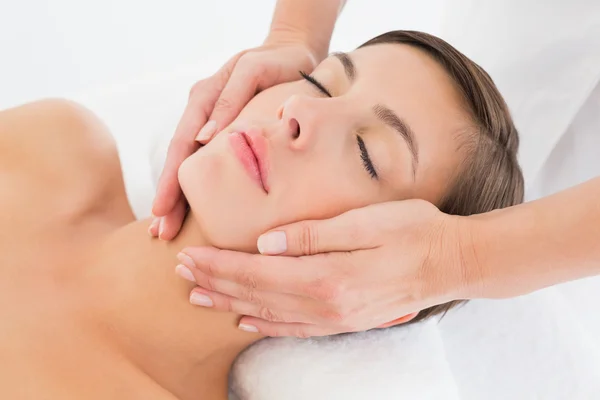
(246, 278)
(253, 65)
(324, 290)
(228, 306)
(251, 296)
(268, 315)
(249, 61)
(223, 104)
(258, 68)
(246, 60)
(307, 239)
(196, 88)
(212, 267)
(210, 284)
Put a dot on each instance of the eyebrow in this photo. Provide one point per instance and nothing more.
(348, 64)
(391, 119)
(385, 114)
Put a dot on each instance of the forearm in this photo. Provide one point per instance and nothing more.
(310, 21)
(537, 244)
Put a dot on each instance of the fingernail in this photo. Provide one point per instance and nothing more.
(248, 328)
(200, 300)
(272, 243)
(186, 260)
(185, 273)
(152, 226)
(161, 227)
(207, 131)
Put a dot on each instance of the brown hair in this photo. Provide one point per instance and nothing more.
(489, 177)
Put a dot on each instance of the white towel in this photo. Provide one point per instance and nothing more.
(531, 347)
(380, 364)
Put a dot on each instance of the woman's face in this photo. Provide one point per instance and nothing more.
(382, 127)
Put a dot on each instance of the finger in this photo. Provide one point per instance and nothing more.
(181, 147)
(266, 273)
(314, 312)
(346, 232)
(267, 328)
(240, 88)
(207, 132)
(153, 228)
(171, 223)
(222, 302)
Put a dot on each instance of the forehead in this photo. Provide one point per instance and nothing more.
(407, 76)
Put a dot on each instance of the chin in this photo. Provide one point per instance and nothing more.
(222, 203)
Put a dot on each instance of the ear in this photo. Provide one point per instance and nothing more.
(398, 321)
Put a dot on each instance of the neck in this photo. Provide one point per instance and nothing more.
(186, 349)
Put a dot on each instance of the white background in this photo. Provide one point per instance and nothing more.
(67, 47)
(53, 48)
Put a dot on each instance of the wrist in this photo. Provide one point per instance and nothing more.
(283, 34)
(470, 257)
(492, 257)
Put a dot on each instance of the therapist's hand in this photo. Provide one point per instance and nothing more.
(213, 104)
(370, 267)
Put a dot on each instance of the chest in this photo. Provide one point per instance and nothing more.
(41, 330)
(53, 345)
(49, 344)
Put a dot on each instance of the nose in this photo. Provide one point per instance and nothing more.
(303, 117)
(290, 123)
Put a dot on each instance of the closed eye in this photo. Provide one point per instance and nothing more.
(315, 83)
(364, 156)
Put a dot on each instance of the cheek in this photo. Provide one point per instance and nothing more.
(265, 104)
(223, 201)
(314, 192)
(196, 173)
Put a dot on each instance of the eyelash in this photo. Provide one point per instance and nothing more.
(315, 83)
(364, 154)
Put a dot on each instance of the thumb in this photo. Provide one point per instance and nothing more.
(346, 232)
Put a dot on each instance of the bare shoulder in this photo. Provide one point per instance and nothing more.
(53, 136)
(56, 153)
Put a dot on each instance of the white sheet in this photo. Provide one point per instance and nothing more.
(542, 346)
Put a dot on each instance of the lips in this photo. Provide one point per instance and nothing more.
(251, 149)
